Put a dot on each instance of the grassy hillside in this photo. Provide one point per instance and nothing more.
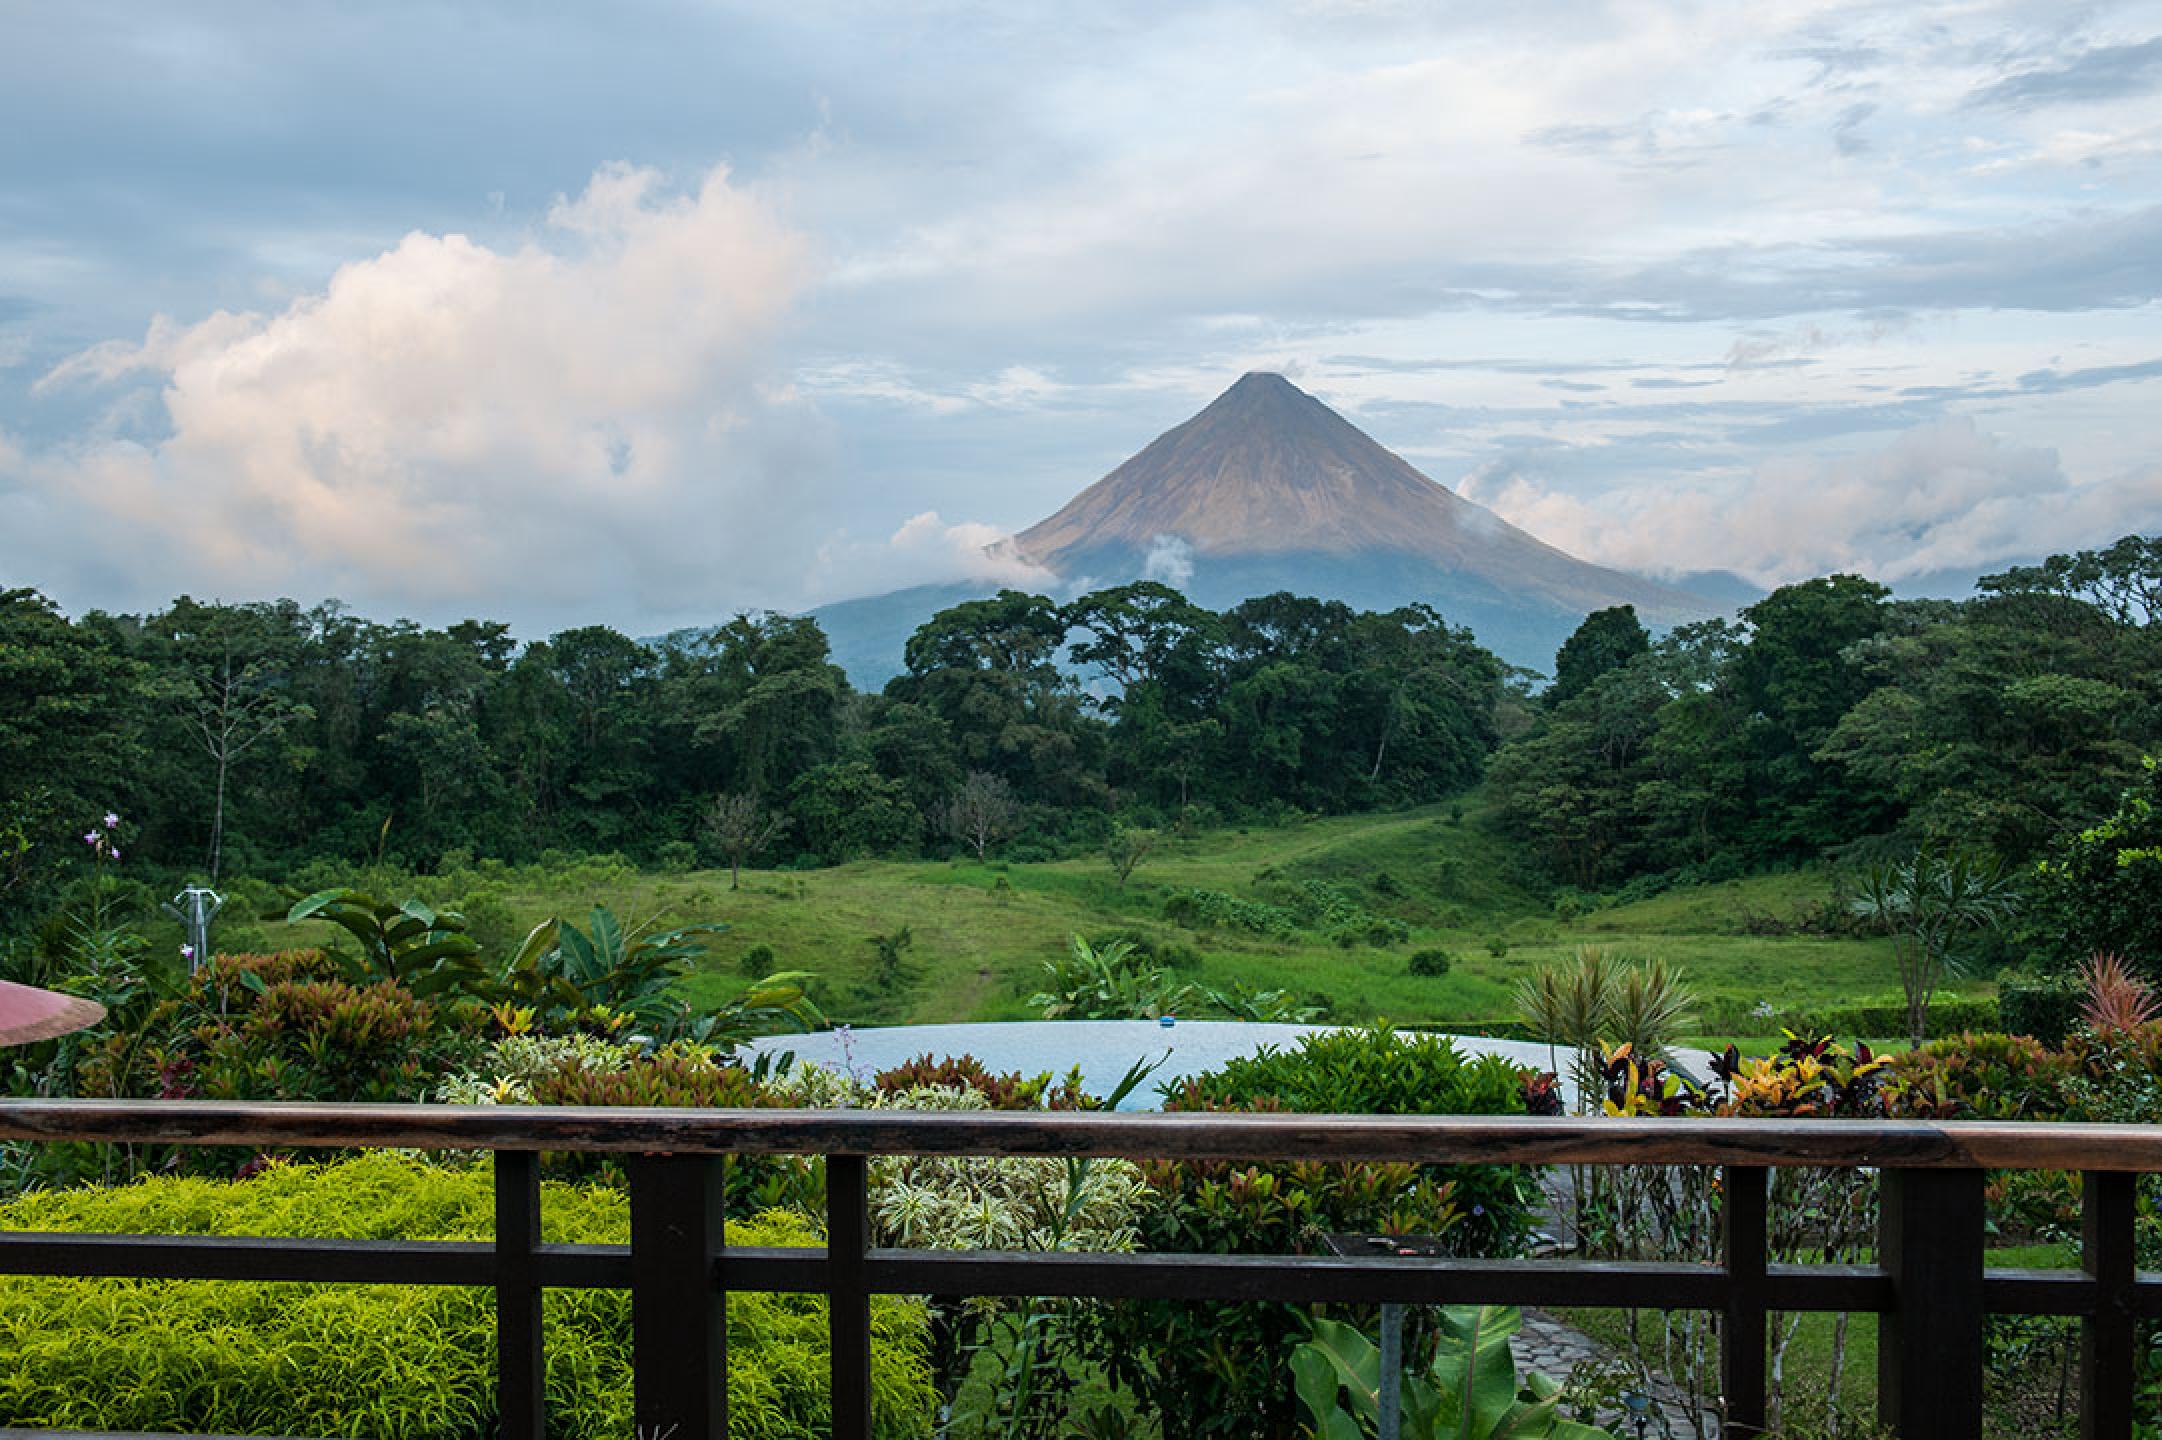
(981, 932)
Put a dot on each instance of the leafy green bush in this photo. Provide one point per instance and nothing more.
(1472, 1391)
(1996, 1077)
(567, 974)
(1334, 911)
(2100, 889)
(1113, 983)
(1374, 1070)
(1431, 963)
(2045, 1006)
(412, 944)
(398, 1363)
(1214, 910)
(1887, 1015)
(1156, 949)
(1224, 1370)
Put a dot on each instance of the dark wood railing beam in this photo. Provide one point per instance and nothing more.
(1743, 1223)
(679, 1328)
(1929, 1288)
(521, 1364)
(2108, 1333)
(1929, 1344)
(1424, 1139)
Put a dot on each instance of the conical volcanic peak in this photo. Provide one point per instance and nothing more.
(1266, 467)
(1268, 470)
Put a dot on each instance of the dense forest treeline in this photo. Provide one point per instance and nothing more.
(1826, 716)
(256, 737)
(1830, 717)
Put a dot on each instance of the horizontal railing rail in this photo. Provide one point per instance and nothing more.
(1929, 1288)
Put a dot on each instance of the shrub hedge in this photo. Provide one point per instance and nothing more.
(2045, 1006)
(1887, 1016)
(392, 1363)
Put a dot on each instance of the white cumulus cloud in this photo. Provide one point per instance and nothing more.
(926, 549)
(1941, 497)
(1170, 560)
(586, 426)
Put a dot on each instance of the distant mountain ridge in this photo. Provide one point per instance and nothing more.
(1269, 489)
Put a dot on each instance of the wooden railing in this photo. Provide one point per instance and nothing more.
(1929, 1289)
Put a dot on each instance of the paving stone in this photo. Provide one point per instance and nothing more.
(1555, 1349)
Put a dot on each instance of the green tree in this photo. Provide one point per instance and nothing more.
(1128, 847)
(847, 809)
(70, 730)
(2099, 889)
(1799, 673)
(989, 670)
(1930, 902)
(1990, 724)
(1607, 640)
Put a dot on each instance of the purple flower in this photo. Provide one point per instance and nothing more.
(112, 821)
(187, 952)
(114, 852)
(93, 839)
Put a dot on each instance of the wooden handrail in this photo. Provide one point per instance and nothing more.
(1421, 1139)
(1929, 1288)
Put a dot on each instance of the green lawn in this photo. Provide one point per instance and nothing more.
(978, 945)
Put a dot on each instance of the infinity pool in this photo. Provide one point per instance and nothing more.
(1103, 1049)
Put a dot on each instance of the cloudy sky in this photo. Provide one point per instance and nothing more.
(644, 312)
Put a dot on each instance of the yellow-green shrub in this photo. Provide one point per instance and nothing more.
(393, 1363)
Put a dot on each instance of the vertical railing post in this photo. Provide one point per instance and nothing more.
(1744, 1230)
(1929, 1344)
(2107, 1340)
(679, 1332)
(520, 1363)
(848, 1294)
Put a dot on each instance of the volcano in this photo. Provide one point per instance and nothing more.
(1269, 489)
(1269, 471)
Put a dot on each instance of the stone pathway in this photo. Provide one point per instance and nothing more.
(1556, 1350)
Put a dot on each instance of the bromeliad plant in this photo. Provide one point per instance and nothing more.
(1471, 1392)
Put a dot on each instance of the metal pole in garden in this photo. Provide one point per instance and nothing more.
(1392, 1371)
(195, 907)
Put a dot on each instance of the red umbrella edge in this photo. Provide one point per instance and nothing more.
(28, 1014)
